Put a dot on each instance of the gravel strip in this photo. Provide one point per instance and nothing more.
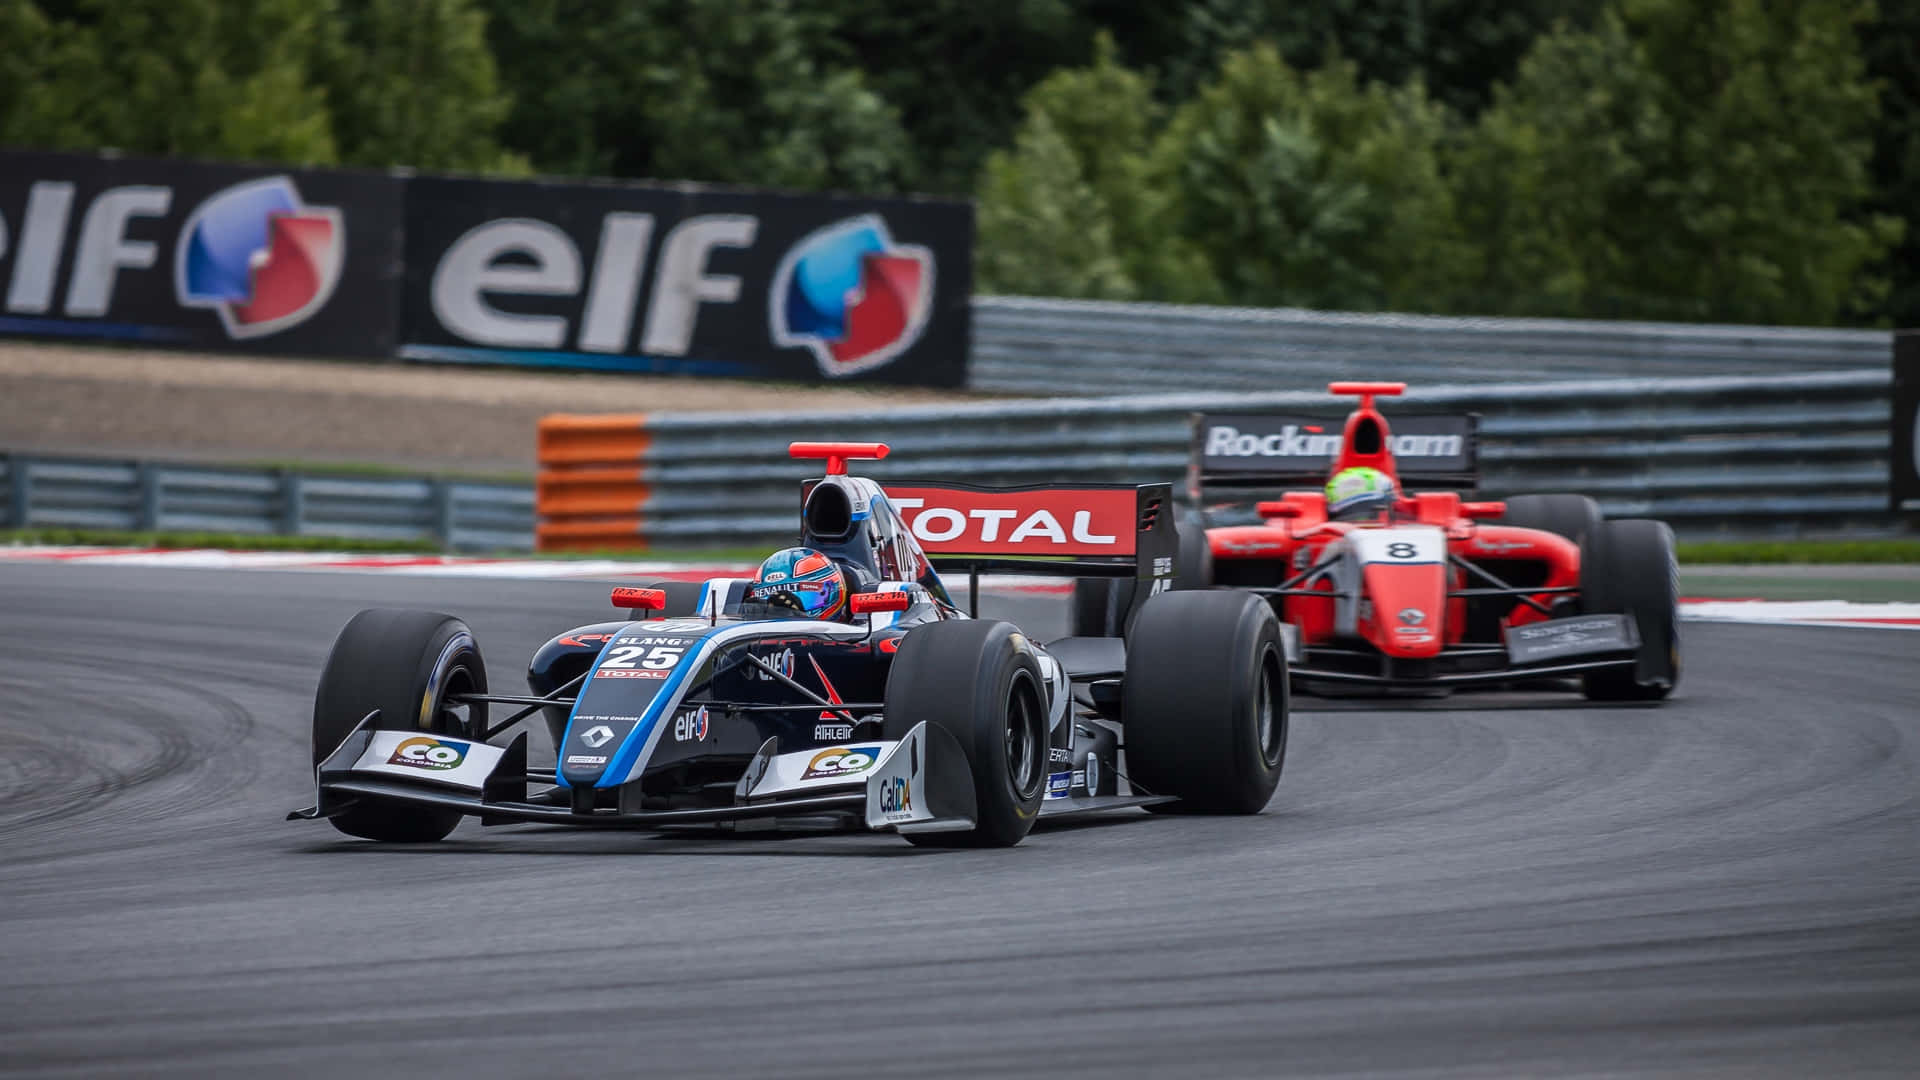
(124, 402)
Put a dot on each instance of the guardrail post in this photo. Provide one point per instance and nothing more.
(19, 489)
(147, 514)
(293, 503)
(443, 511)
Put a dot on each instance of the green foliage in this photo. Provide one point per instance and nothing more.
(956, 70)
(412, 82)
(691, 89)
(175, 77)
(1893, 60)
(369, 82)
(1074, 209)
(1687, 159)
(1458, 48)
(1313, 190)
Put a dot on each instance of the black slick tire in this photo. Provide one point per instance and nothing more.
(979, 679)
(1104, 607)
(405, 664)
(1203, 709)
(1635, 572)
(1575, 517)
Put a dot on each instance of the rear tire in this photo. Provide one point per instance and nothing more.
(981, 681)
(1636, 573)
(405, 664)
(1104, 607)
(1575, 517)
(1203, 710)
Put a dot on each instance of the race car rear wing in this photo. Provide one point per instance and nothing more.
(1087, 530)
(1244, 453)
(1083, 530)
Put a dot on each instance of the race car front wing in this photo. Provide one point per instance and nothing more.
(919, 784)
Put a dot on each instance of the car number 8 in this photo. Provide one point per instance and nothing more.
(1400, 549)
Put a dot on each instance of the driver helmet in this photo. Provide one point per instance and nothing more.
(1359, 492)
(802, 580)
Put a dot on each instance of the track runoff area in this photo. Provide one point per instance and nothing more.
(1883, 614)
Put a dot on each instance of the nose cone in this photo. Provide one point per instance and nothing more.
(1408, 602)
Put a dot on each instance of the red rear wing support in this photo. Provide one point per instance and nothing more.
(837, 454)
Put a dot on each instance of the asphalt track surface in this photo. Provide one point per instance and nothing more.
(1510, 885)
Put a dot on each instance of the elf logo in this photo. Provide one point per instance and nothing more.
(851, 295)
(255, 253)
(259, 257)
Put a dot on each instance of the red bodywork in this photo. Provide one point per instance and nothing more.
(1405, 567)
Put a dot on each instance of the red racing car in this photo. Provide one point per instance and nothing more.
(1385, 586)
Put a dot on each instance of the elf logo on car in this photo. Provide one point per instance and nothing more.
(691, 726)
(422, 752)
(841, 761)
(1062, 521)
(1225, 440)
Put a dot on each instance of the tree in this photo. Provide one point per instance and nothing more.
(1074, 209)
(1313, 190)
(206, 77)
(412, 82)
(956, 70)
(691, 89)
(1460, 49)
(1687, 159)
(1894, 63)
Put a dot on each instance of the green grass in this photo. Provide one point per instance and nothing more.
(1747, 552)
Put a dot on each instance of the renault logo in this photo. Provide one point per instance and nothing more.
(597, 737)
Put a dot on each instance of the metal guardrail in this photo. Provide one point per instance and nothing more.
(1754, 456)
(1025, 345)
(1750, 456)
(83, 493)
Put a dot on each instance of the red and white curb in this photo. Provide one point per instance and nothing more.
(1890, 616)
(435, 565)
(1778, 612)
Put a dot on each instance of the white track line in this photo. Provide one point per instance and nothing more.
(1900, 616)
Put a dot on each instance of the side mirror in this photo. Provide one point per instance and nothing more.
(640, 599)
(868, 602)
(1276, 509)
(1482, 509)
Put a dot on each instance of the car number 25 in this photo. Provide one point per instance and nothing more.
(657, 657)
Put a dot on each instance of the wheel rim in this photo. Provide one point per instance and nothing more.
(1270, 721)
(1026, 737)
(457, 719)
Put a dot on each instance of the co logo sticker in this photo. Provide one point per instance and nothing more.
(841, 761)
(421, 752)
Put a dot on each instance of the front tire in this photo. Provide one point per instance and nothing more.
(1636, 573)
(979, 680)
(1204, 707)
(405, 664)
